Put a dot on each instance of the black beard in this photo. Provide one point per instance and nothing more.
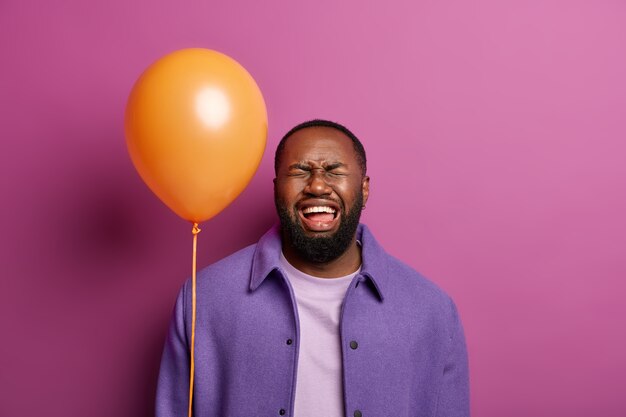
(321, 249)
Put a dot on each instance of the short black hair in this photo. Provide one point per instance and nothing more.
(356, 143)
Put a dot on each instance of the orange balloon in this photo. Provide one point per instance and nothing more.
(196, 128)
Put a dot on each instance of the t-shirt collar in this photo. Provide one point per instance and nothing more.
(267, 259)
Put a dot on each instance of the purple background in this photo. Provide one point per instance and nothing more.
(495, 132)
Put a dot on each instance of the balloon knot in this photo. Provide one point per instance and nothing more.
(195, 229)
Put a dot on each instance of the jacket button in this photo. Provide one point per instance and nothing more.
(354, 345)
(282, 412)
(289, 341)
(357, 413)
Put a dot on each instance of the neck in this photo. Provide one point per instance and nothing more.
(345, 264)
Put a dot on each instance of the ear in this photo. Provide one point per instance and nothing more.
(365, 184)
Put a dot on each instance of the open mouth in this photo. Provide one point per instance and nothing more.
(319, 218)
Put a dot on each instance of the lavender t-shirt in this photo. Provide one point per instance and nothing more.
(319, 388)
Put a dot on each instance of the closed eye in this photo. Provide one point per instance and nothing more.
(331, 170)
(298, 170)
(336, 169)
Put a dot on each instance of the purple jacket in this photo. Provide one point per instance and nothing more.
(403, 346)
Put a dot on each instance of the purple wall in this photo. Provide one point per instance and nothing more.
(496, 134)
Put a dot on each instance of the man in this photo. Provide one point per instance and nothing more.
(316, 319)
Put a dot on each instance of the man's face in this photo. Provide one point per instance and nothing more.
(319, 193)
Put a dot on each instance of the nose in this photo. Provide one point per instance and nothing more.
(317, 184)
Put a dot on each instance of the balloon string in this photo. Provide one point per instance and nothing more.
(195, 230)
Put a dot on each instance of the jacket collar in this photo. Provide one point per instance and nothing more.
(267, 258)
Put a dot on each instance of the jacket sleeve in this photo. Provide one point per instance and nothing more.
(454, 395)
(172, 399)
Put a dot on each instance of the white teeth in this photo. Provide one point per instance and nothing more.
(319, 209)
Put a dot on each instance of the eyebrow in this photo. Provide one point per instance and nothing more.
(299, 165)
(334, 165)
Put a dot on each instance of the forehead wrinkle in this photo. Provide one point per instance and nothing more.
(302, 148)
